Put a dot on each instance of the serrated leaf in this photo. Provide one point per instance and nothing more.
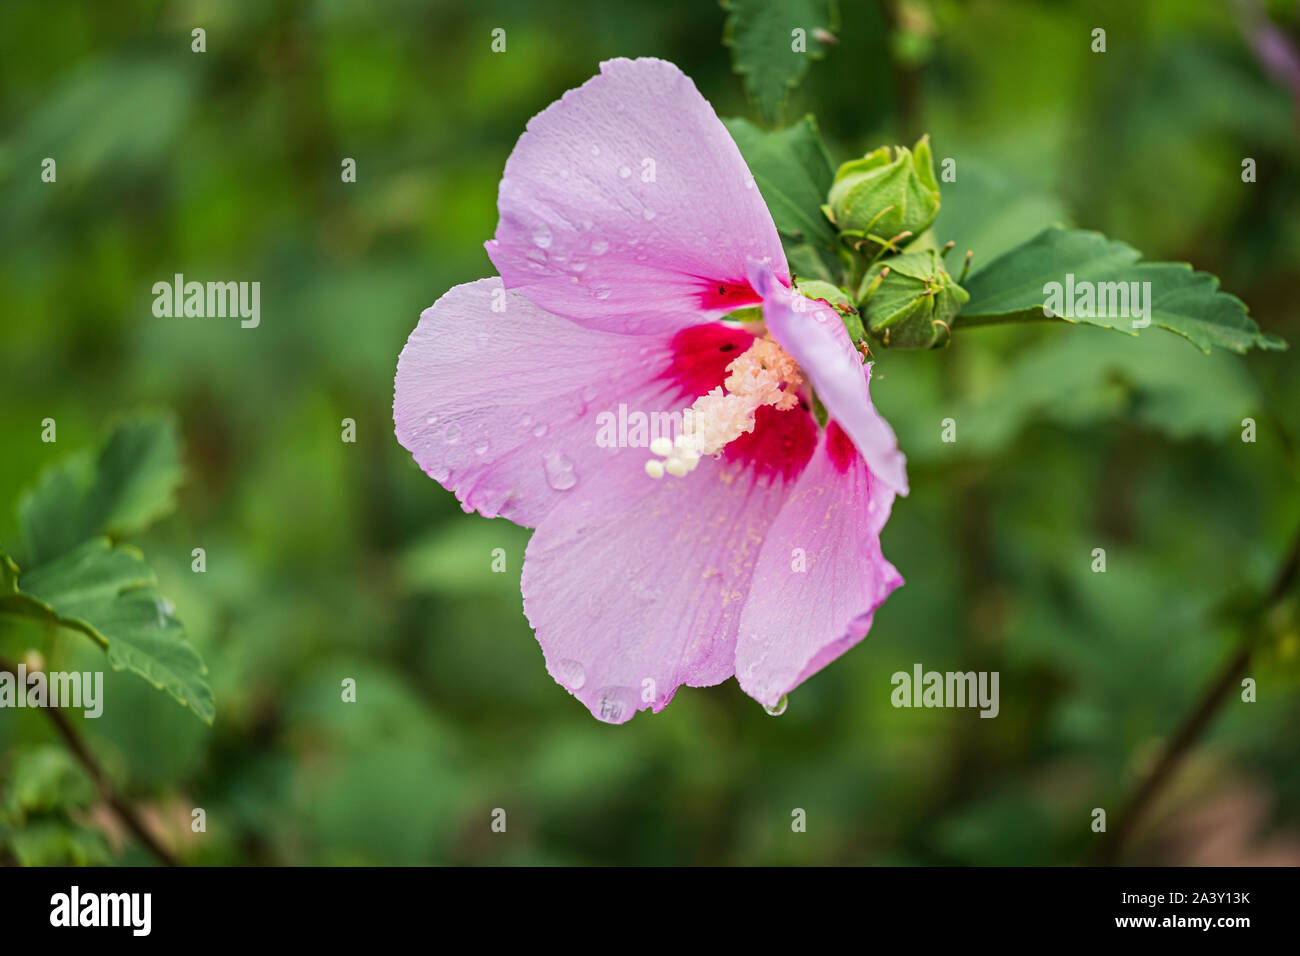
(793, 173)
(110, 594)
(130, 484)
(761, 36)
(1189, 303)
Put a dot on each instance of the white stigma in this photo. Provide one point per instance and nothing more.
(762, 375)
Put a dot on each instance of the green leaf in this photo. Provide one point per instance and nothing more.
(110, 594)
(47, 779)
(793, 172)
(57, 841)
(762, 40)
(1011, 289)
(130, 484)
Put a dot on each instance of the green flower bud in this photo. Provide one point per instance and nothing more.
(912, 306)
(874, 199)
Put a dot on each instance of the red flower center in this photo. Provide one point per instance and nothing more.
(782, 441)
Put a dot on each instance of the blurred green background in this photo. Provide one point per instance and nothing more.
(329, 560)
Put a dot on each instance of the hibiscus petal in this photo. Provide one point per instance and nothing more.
(813, 333)
(626, 206)
(500, 405)
(795, 622)
(635, 586)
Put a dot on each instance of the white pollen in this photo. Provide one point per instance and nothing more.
(761, 375)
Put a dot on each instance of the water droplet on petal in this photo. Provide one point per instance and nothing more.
(595, 150)
(780, 707)
(571, 674)
(542, 237)
(649, 214)
(432, 420)
(559, 471)
(615, 704)
(451, 434)
(625, 172)
(481, 449)
(540, 430)
(599, 247)
(602, 293)
(527, 420)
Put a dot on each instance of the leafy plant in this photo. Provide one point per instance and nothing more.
(899, 282)
(75, 572)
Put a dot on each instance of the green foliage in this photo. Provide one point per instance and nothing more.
(81, 580)
(760, 34)
(793, 172)
(130, 484)
(328, 560)
(109, 594)
(1010, 289)
(46, 787)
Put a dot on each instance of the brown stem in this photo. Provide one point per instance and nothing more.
(125, 812)
(1194, 724)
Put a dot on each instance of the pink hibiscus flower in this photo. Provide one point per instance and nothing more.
(747, 544)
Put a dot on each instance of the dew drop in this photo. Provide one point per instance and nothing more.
(451, 434)
(625, 172)
(571, 674)
(527, 420)
(540, 430)
(613, 704)
(542, 237)
(481, 449)
(595, 150)
(780, 707)
(599, 247)
(602, 293)
(649, 214)
(559, 471)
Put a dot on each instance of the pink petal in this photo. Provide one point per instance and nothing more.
(584, 235)
(635, 586)
(814, 335)
(796, 622)
(501, 407)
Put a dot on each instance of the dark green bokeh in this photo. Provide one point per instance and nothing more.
(329, 560)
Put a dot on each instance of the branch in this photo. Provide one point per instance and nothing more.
(1195, 723)
(125, 812)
